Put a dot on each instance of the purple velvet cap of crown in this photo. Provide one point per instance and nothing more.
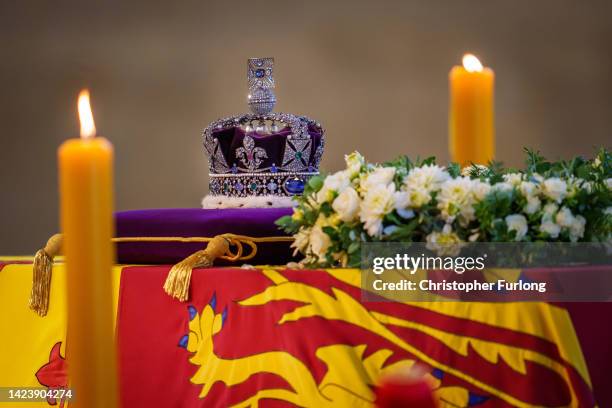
(195, 222)
(281, 153)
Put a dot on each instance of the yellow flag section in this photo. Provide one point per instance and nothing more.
(28, 342)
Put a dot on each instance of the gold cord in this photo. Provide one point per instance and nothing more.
(229, 247)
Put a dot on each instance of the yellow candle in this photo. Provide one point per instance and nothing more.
(471, 125)
(86, 193)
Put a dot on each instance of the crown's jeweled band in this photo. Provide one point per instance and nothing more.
(259, 184)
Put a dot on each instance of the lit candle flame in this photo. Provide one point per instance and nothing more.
(471, 63)
(88, 127)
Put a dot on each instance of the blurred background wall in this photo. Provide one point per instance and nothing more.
(373, 72)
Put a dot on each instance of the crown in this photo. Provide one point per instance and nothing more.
(261, 158)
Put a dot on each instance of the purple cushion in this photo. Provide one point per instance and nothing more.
(196, 222)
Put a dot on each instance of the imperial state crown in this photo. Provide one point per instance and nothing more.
(262, 158)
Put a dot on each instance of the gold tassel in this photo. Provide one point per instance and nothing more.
(41, 276)
(179, 278)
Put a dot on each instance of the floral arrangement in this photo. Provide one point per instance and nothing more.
(420, 201)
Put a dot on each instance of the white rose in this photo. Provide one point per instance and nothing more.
(378, 202)
(576, 230)
(550, 228)
(528, 188)
(347, 204)
(554, 188)
(513, 178)
(354, 163)
(334, 183)
(533, 205)
(517, 223)
(564, 217)
(381, 176)
(319, 242)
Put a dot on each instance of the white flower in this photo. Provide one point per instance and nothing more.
(480, 189)
(503, 187)
(608, 211)
(347, 204)
(533, 205)
(528, 189)
(354, 163)
(300, 241)
(564, 217)
(609, 182)
(420, 182)
(418, 196)
(445, 242)
(402, 204)
(513, 178)
(555, 189)
(381, 176)
(334, 183)
(517, 223)
(456, 198)
(548, 224)
(429, 177)
(574, 224)
(401, 199)
(538, 178)
(549, 210)
(319, 242)
(550, 228)
(576, 230)
(378, 202)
